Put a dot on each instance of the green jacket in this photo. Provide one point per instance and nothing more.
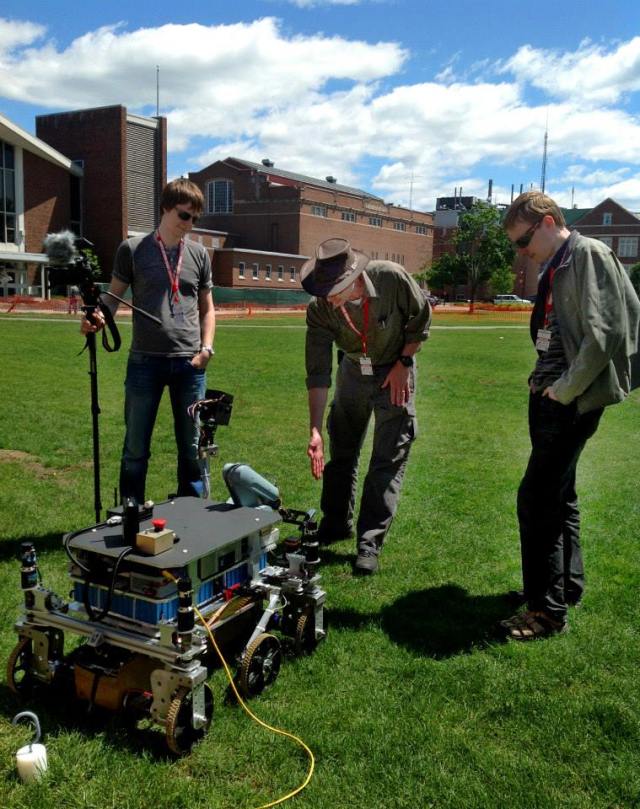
(399, 313)
(599, 315)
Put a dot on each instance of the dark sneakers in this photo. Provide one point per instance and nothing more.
(366, 562)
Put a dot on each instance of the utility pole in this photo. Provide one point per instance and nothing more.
(543, 176)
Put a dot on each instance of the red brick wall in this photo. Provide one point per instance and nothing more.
(46, 200)
(226, 270)
(96, 136)
(278, 218)
(623, 225)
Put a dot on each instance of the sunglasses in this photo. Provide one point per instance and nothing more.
(526, 237)
(186, 216)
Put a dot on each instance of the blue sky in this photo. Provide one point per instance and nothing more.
(405, 98)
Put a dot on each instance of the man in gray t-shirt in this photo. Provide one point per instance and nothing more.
(170, 278)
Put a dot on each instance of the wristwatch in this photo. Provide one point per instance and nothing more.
(209, 349)
(406, 361)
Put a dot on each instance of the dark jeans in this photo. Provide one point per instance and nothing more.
(145, 382)
(548, 514)
(395, 428)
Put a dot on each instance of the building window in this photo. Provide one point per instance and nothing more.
(280, 272)
(606, 240)
(421, 229)
(375, 221)
(7, 194)
(267, 272)
(220, 196)
(627, 247)
(348, 216)
(399, 225)
(607, 219)
(319, 210)
(292, 274)
(256, 272)
(241, 269)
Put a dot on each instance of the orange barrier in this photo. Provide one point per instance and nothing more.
(20, 303)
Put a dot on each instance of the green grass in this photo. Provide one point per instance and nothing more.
(411, 701)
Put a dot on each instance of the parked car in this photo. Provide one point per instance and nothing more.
(513, 299)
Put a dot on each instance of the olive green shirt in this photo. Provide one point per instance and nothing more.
(399, 314)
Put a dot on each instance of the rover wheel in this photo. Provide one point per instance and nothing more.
(19, 676)
(305, 637)
(180, 733)
(230, 608)
(260, 664)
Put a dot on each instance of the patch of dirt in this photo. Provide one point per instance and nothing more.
(31, 464)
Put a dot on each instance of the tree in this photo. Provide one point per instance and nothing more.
(501, 280)
(92, 261)
(482, 246)
(634, 275)
(446, 271)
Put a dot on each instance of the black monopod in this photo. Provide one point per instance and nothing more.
(69, 265)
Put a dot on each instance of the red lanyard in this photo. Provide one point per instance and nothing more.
(174, 275)
(548, 302)
(365, 324)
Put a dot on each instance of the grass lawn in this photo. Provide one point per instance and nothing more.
(411, 701)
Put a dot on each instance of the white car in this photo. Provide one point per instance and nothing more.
(511, 299)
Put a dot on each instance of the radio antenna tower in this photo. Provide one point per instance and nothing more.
(543, 175)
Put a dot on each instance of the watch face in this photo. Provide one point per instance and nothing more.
(406, 361)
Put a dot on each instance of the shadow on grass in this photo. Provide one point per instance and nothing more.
(439, 622)
(10, 547)
(60, 712)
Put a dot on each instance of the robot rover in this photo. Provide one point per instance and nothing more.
(139, 580)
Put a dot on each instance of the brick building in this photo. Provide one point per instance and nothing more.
(124, 160)
(280, 217)
(39, 193)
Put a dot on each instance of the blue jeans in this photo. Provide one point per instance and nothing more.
(146, 379)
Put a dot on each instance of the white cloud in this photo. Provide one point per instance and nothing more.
(626, 192)
(16, 34)
(250, 90)
(590, 74)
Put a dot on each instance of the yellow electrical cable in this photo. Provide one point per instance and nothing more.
(245, 707)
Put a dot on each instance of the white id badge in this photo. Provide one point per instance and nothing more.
(366, 367)
(543, 339)
(178, 313)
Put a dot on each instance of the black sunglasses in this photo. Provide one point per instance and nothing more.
(186, 216)
(526, 237)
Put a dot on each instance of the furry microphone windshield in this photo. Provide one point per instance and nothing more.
(60, 248)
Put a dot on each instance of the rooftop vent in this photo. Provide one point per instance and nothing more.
(331, 179)
(268, 163)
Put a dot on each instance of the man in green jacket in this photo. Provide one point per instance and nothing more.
(378, 318)
(585, 329)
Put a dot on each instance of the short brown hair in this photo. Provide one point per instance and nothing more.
(531, 207)
(181, 192)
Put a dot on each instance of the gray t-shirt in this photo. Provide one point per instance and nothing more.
(139, 263)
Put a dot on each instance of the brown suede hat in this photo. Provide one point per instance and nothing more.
(336, 265)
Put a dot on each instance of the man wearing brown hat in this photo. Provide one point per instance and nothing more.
(377, 316)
